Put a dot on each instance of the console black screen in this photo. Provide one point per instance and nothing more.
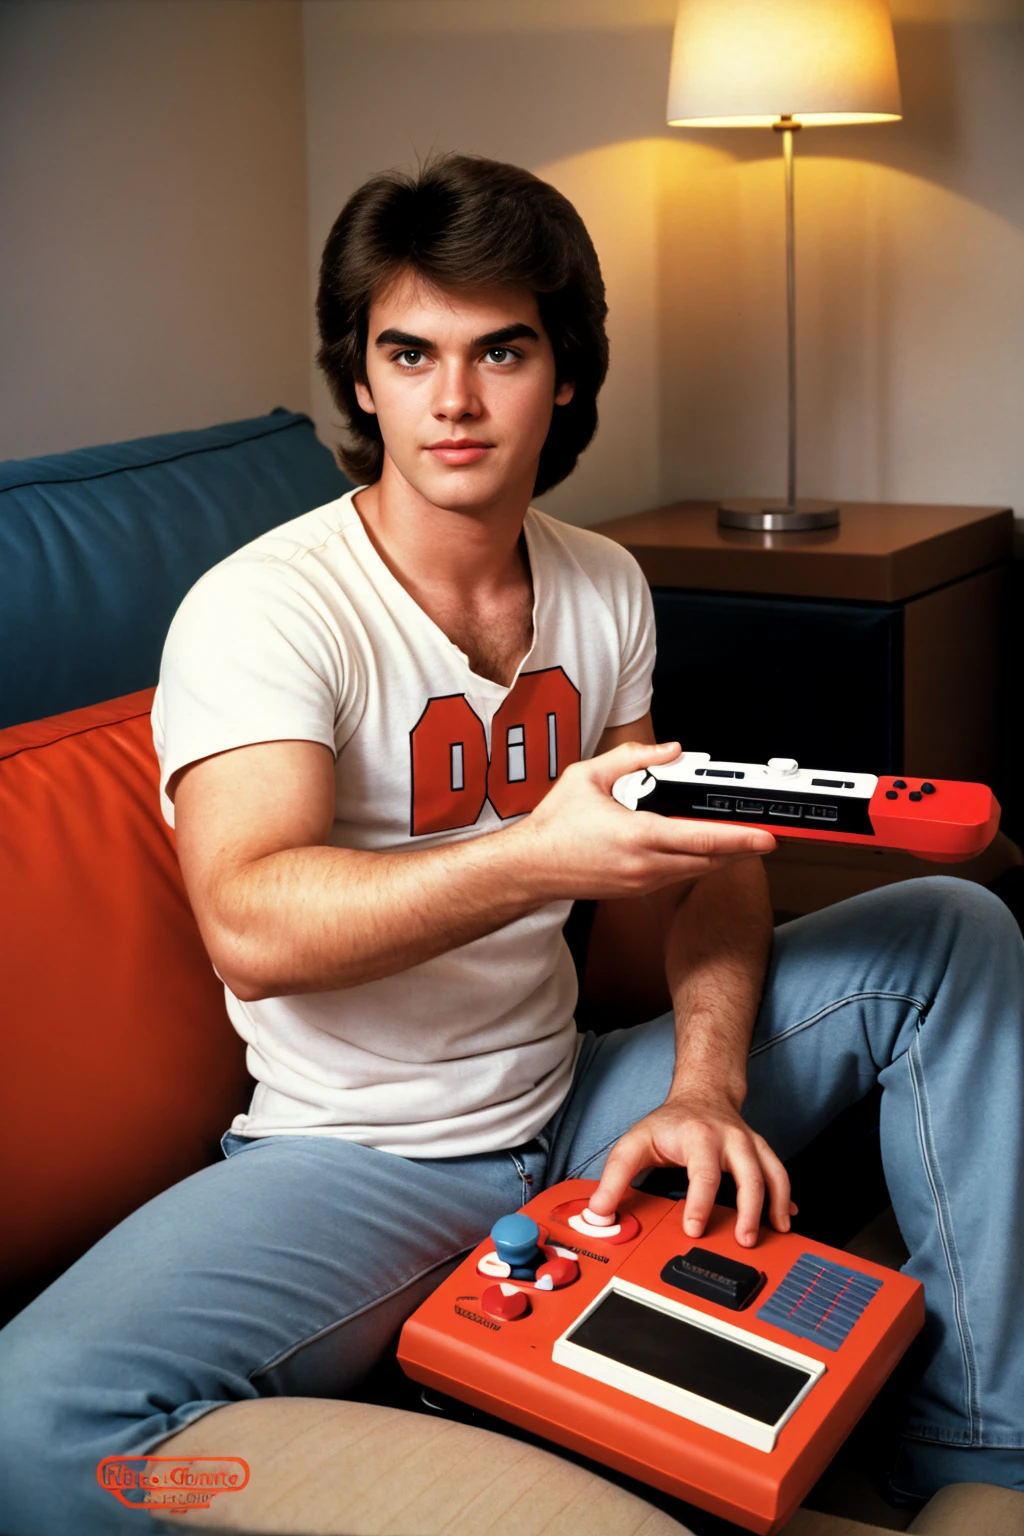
(693, 1358)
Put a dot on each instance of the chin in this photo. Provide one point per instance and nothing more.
(459, 490)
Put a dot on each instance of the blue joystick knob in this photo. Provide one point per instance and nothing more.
(515, 1239)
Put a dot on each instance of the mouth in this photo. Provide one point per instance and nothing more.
(461, 450)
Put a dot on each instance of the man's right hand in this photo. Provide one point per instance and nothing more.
(587, 846)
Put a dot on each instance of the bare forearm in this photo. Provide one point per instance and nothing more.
(308, 917)
(320, 919)
(717, 949)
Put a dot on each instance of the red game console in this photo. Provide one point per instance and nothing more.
(726, 1376)
(939, 819)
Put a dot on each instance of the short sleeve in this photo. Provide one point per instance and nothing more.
(634, 612)
(250, 657)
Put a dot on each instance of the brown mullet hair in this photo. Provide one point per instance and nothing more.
(464, 222)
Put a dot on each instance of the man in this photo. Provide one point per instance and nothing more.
(388, 732)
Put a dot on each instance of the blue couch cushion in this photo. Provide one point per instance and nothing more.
(99, 546)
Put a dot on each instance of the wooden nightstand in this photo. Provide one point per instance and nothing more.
(874, 646)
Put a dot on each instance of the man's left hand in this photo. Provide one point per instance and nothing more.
(705, 1135)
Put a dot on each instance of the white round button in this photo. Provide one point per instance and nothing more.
(785, 765)
(594, 1220)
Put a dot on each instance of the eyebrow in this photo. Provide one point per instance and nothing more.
(515, 332)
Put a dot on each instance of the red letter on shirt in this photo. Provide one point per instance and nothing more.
(534, 735)
(449, 766)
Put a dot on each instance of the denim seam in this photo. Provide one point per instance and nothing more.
(352, 1317)
(525, 1179)
(156, 1438)
(814, 1018)
(938, 1437)
(854, 997)
(573, 1173)
(553, 1129)
(923, 1114)
(926, 1437)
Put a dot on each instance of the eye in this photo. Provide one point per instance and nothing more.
(410, 357)
(501, 354)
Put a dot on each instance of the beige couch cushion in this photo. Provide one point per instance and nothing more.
(971, 1509)
(325, 1468)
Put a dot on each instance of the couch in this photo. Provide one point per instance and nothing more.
(123, 1070)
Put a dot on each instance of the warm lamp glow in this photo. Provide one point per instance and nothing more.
(747, 63)
(783, 64)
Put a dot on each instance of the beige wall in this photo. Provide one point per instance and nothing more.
(910, 239)
(155, 271)
(153, 223)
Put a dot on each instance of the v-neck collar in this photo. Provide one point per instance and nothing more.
(386, 581)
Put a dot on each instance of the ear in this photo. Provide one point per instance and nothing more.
(564, 393)
(364, 397)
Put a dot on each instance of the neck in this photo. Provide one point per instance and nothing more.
(464, 551)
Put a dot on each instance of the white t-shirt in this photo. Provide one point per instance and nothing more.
(305, 634)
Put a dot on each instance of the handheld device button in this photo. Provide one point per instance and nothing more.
(714, 1277)
(557, 1272)
(516, 1241)
(927, 789)
(493, 1267)
(784, 765)
(585, 1228)
(599, 1221)
(891, 794)
(505, 1303)
(915, 794)
(899, 783)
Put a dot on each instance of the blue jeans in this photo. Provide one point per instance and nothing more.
(288, 1268)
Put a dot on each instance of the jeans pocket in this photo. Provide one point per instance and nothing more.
(231, 1143)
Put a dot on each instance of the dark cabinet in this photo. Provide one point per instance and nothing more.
(749, 678)
(873, 647)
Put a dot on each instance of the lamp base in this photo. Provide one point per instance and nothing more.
(778, 516)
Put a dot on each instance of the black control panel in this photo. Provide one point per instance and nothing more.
(697, 802)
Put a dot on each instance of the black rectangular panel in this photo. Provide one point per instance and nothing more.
(713, 1276)
(704, 1363)
(674, 797)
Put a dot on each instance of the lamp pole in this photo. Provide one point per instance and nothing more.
(787, 127)
(791, 515)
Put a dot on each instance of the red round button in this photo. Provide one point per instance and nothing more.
(505, 1304)
(627, 1225)
(560, 1271)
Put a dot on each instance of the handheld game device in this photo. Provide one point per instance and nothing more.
(726, 1376)
(939, 819)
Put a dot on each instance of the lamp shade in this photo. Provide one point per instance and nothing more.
(746, 63)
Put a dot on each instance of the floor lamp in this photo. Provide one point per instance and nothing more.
(784, 65)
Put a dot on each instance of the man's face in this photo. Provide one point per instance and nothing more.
(463, 387)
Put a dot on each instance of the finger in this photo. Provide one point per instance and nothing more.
(624, 1162)
(676, 834)
(703, 1178)
(780, 1206)
(629, 757)
(742, 1162)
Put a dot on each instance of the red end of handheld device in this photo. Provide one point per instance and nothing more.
(940, 819)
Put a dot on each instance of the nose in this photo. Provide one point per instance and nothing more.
(456, 395)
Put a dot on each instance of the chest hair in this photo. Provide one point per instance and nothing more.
(495, 641)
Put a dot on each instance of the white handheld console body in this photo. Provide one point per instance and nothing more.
(938, 819)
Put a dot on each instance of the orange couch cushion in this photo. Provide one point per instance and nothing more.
(121, 1067)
